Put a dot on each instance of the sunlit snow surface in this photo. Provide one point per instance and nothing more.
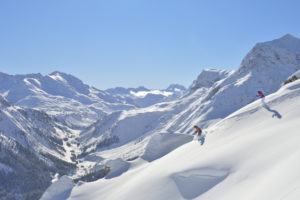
(252, 154)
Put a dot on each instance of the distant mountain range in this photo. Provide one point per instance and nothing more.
(143, 97)
(73, 101)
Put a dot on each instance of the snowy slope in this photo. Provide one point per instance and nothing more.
(28, 127)
(59, 190)
(33, 147)
(136, 125)
(264, 68)
(292, 78)
(213, 96)
(251, 154)
(133, 128)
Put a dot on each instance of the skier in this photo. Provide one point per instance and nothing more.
(198, 130)
(260, 94)
(106, 169)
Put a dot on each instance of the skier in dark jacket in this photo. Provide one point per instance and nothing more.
(198, 131)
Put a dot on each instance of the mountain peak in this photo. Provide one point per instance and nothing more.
(208, 77)
(176, 87)
(288, 37)
(287, 42)
(57, 72)
(67, 78)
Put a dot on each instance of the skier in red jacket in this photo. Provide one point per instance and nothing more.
(198, 131)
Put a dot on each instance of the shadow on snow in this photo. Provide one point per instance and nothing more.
(275, 112)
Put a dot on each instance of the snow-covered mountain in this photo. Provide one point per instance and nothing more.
(143, 97)
(136, 127)
(33, 148)
(126, 134)
(41, 120)
(264, 68)
(251, 154)
(68, 98)
(207, 78)
(60, 94)
(213, 96)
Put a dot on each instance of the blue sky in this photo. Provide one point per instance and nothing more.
(129, 43)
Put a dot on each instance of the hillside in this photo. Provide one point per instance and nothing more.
(213, 96)
(253, 153)
(33, 148)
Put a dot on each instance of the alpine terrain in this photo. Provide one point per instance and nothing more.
(62, 139)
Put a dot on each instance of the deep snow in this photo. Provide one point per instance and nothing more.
(251, 154)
